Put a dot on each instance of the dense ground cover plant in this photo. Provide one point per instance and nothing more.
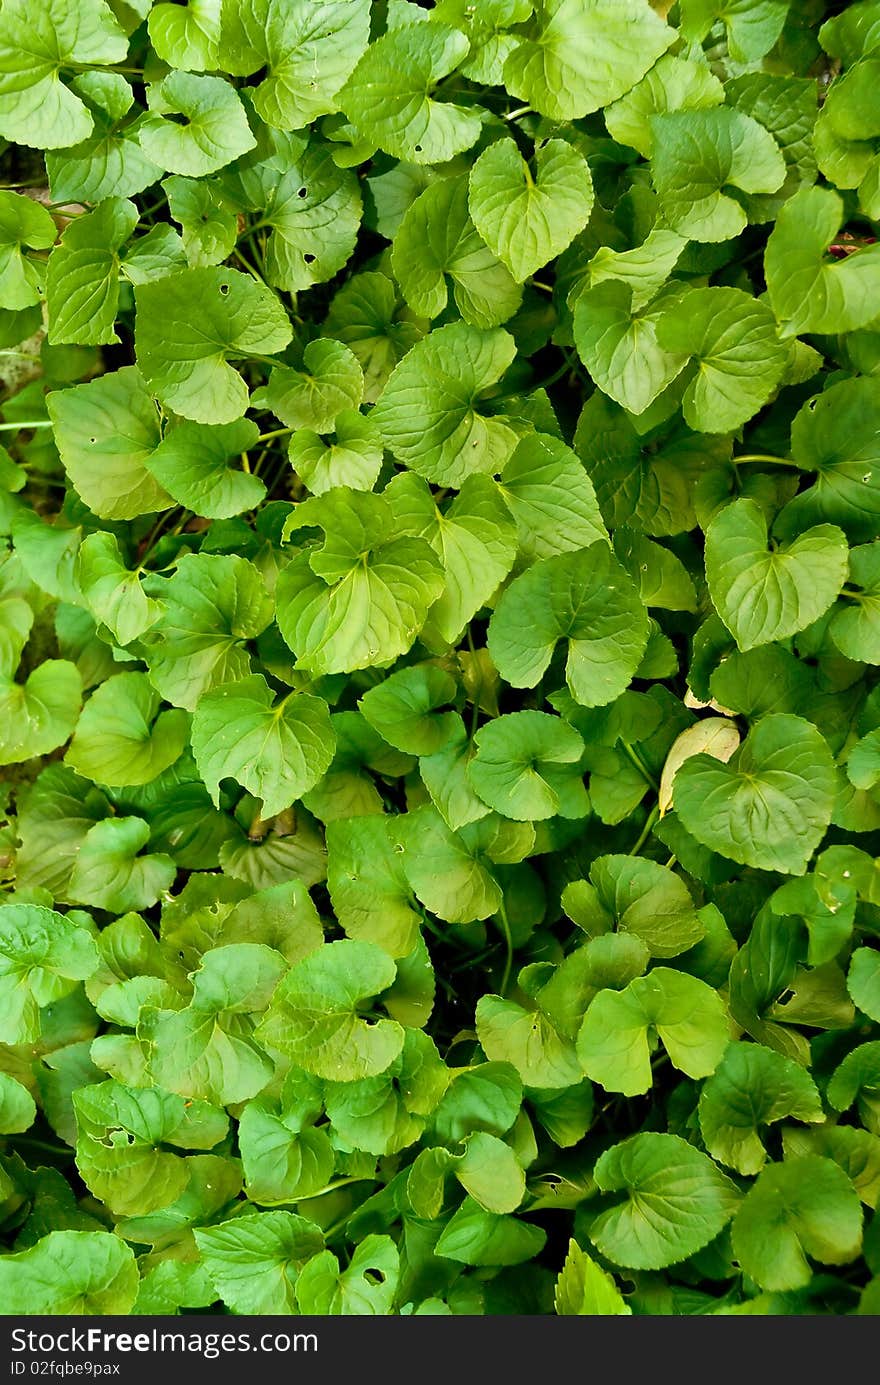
(439, 624)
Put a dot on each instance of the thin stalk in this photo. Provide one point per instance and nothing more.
(765, 457)
(26, 423)
(646, 831)
(275, 433)
(508, 945)
(636, 759)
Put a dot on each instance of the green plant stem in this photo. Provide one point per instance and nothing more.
(275, 433)
(748, 457)
(646, 831)
(636, 759)
(508, 946)
(26, 423)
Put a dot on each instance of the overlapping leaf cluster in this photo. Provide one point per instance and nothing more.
(439, 628)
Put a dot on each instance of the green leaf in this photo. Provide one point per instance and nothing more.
(752, 1087)
(437, 239)
(363, 595)
(809, 293)
(352, 458)
(283, 1157)
(36, 107)
(527, 766)
(42, 956)
(770, 805)
(576, 56)
(210, 606)
(863, 981)
(71, 1273)
(585, 597)
(254, 1260)
(764, 596)
(477, 1237)
(207, 1050)
(368, 315)
(474, 539)
(275, 751)
(82, 282)
(752, 28)
(24, 225)
(314, 1016)
(331, 382)
(113, 595)
(106, 431)
(529, 1041)
(208, 224)
(110, 874)
(450, 872)
(186, 35)
(837, 435)
(120, 739)
(307, 54)
(439, 382)
(584, 1289)
(672, 84)
(109, 162)
(185, 359)
(639, 897)
(804, 1207)
(196, 125)
(620, 347)
(688, 1016)
(365, 1288)
(855, 629)
(191, 464)
(119, 1130)
(387, 95)
(38, 716)
(547, 490)
(370, 893)
(739, 358)
(527, 220)
(697, 154)
(675, 1202)
(403, 709)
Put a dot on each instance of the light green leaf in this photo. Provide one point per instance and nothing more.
(184, 354)
(672, 84)
(82, 280)
(675, 1202)
(208, 225)
(770, 805)
(807, 291)
(187, 36)
(109, 162)
(370, 893)
(688, 1016)
(38, 716)
(119, 1131)
(24, 225)
(361, 597)
(476, 1237)
(196, 125)
(120, 739)
(254, 1260)
(352, 457)
(448, 871)
(576, 56)
(474, 539)
(752, 28)
(740, 360)
(17, 1108)
(529, 1041)
(106, 431)
(308, 54)
(697, 154)
(804, 1207)
(210, 606)
(551, 497)
(331, 381)
(764, 596)
(584, 1289)
(855, 628)
(639, 897)
(36, 107)
(436, 240)
(191, 464)
(620, 346)
(387, 95)
(110, 874)
(527, 767)
(753, 1087)
(863, 981)
(42, 956)
(315, 1015)
(368, 315)
(429, 410)
(283, 1157)
(113, 595)
(365, 1288)
(275, 751)
(837, 435)
(527, 220)
(585, 597)
(403, 709)
(70, 1273)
